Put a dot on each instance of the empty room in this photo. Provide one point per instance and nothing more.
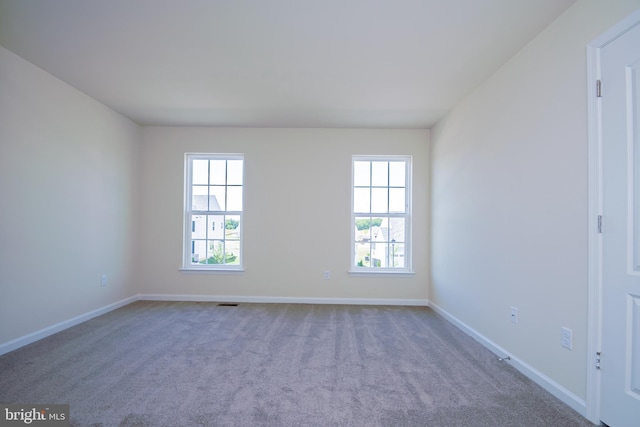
(310, 213)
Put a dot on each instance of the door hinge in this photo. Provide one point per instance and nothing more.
(600, 224)
(599, 88)
(598, 360)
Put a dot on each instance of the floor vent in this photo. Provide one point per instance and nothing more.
(227, 304)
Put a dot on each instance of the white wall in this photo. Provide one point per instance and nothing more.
(509, 199)
(297, 212)
(67, 200)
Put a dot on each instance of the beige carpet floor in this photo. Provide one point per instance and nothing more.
(201, 364)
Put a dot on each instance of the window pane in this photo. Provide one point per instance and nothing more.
(379, 230)
(200, 172)
(199, 251)
(218, 172)
(379, 174)
(378, 222)
(232, 227)
(397, 174)
(396, 200)
(361, 174)
(396, 230)
(361, 200)
(379, 254)
(362, 258)
(234, 172)
(363, 229)
(199, 198)
(379, 198)
(217, 198)
(215, 226)
(234, 198)
(232, 252)
(198, 227)
(215, 251)
(397, 255)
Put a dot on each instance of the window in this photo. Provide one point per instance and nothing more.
(213, 211)
(381, 214)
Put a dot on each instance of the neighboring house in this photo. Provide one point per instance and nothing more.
(205, 203)
(383, 242)
(199, 225)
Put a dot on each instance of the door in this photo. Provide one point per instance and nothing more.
(620, 349)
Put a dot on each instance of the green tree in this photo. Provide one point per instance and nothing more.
(365, 224)
(218, 257)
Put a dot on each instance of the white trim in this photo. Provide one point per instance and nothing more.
(632, 172)
(616, 31)
(564, 395)
(594, 320)
(282, 300)
(188, 212)
(58, 327)
(594, 315)
(382, 273)
(406, 215)
(211, 270)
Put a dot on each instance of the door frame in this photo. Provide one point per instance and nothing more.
(594, 111)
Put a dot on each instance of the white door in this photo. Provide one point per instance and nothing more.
(620, 103)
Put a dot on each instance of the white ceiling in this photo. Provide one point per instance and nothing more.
(274, 63)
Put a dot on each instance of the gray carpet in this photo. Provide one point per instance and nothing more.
(200, 364)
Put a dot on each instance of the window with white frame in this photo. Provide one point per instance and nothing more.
(381, 214)
(213, 211)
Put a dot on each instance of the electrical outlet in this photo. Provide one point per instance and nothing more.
(566, 338)
(327, 275)
(103, 281)
(514, 314)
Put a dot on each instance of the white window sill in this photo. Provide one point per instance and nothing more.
(380, 273)
(212, 270)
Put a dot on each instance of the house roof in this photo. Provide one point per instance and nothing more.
(205, 203)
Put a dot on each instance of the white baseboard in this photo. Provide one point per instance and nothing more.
(564, 395)
(50, 330)
(283, 300)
